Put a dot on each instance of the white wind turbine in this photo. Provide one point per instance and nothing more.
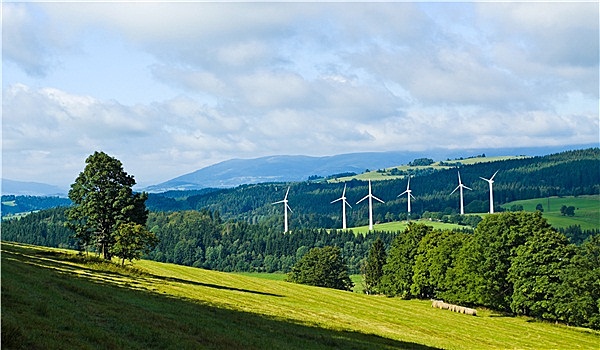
(285, 210)
(491, 181)
(460, 188)
(371, 197)
(344, 203)
(408, 194)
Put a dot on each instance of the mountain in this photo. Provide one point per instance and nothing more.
(20, 188)
(286, 168)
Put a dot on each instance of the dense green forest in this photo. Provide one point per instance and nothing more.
(569, 173)
(202, 239)
(512, 262)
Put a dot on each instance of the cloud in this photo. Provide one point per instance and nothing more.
(23, 40)
(245, 80)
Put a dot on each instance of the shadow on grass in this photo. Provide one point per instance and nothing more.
(47, 304)
(215, 286)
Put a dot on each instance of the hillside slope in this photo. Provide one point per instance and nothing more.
(52, 300)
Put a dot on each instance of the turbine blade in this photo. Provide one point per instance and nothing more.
(484, 179)
(403, 193)
(468, 188)
(377, 199)
(365, 197)
(278, 202)
(457, 187)
(491, 178)
(339, 199)
(286, 193)
(344, 193)
(411, 196)
(348, 204)
(287, 206)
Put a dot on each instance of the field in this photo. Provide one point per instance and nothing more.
(376, 175)
(52, 299)
(401, 225)
(587, 210)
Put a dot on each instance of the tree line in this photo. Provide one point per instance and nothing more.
(563, 174)
(512, 262)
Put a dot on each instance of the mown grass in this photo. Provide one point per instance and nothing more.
(587, 210)
(53, 300)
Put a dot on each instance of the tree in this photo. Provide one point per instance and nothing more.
(373, 267)
(539, 207)
(398, 270)
(322, 267)
(103, 200)
(567, 211)
(578, 298)
(480, 275)
(131, 241)
(436, 253)
(535, 274)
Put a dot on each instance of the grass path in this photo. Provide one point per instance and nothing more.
(185, 307)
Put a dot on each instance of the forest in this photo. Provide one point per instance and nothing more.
(569, 173)
(513, 262)
(240, 230)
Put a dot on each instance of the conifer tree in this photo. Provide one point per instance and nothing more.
(373, 267)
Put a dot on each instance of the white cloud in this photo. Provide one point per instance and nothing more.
(253, 79)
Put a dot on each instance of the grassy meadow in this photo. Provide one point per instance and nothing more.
(401, 225)
(54, 299)
(376, 175)
(587, 210)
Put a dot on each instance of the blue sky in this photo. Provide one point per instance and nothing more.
(169, 88)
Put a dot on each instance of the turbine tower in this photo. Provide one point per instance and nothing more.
(460, 188)
(491, 181)
(408, 194)
(344, 203)
(371, 197)
(285, 210)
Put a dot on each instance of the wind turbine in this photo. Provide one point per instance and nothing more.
(285, 210)
(371, 197)
(491, 181)
(344, 203)
(460, 188)
(408, 194)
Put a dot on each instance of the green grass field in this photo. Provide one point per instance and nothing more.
(376, 175)
(401, 225)
(587, 210)
(54, 300)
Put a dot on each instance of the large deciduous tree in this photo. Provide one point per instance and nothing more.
(322, 267)
(103, 200)
(398, 271)
(480, 275)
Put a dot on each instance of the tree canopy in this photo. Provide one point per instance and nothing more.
(103, 200)
(322, 267)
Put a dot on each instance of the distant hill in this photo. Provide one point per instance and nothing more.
(571, 173)
(20, 188)
(289, 168)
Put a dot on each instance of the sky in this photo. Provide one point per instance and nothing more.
(169, 88)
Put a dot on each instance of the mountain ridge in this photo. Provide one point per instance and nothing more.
(291, 168)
